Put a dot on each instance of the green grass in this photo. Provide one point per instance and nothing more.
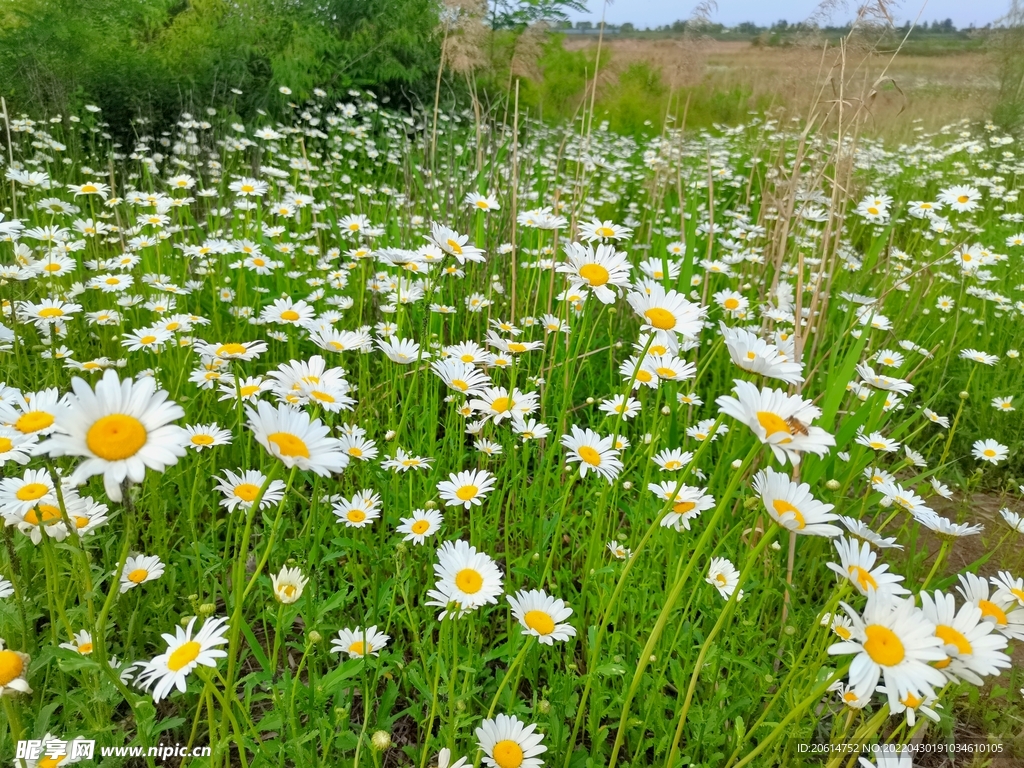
(662, 670)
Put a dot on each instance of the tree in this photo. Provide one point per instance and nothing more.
(517, 14)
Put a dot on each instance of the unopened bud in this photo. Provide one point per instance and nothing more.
(737, 463)
(833, 485)
(315, 637)
(964, 395)
(207, 609)
(381, 740)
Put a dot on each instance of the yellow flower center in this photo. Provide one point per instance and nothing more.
(963, 199)
(660, 318)
(910, 701)
(991, 610)
(356, 515)
(842, 631)
(731, 303)
(246, 491)
(31, 491)
(290, 315)
(356, 451)
(782, 507)
(33, 421)
(666, 373)
(184, 656)
(773, 424)
(323, 397)
(644, 376)
(250, 390)
(51, 312)
(46, 514)
(589, 455)
(540, 622)
(288, 444)
(507, 754)
(673, 464)
(467, 492)
(862, 577)
(358, 648)
(469, 581)
(202, 440)
(52, 267)
(460, 385)
(138, 575)
(116, 437)
(230, 349)
(85, 649)
(420, 527)
(883, 646)
(502, 404)
(455, 247)
(594, 274)
(682, 507)
(6, 444)
(603, 232)
(11, 666)
(950, 636)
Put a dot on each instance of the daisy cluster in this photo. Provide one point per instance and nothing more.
(487, 428)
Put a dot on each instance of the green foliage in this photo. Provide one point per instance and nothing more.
(153, 57)
(1009, 110)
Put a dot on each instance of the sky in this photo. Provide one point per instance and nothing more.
(653, 13)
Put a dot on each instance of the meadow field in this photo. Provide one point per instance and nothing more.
(358, 433)
(923, 90)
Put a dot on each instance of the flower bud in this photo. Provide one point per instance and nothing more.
(381, 740)
(315, 637)
(833, 485)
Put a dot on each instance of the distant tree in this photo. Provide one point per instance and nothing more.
(513, 14)
(678, 26)
(747, 28)
(780, 26)
(627, 27)
(584, 25)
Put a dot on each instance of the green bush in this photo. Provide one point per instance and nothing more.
(153, 57)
